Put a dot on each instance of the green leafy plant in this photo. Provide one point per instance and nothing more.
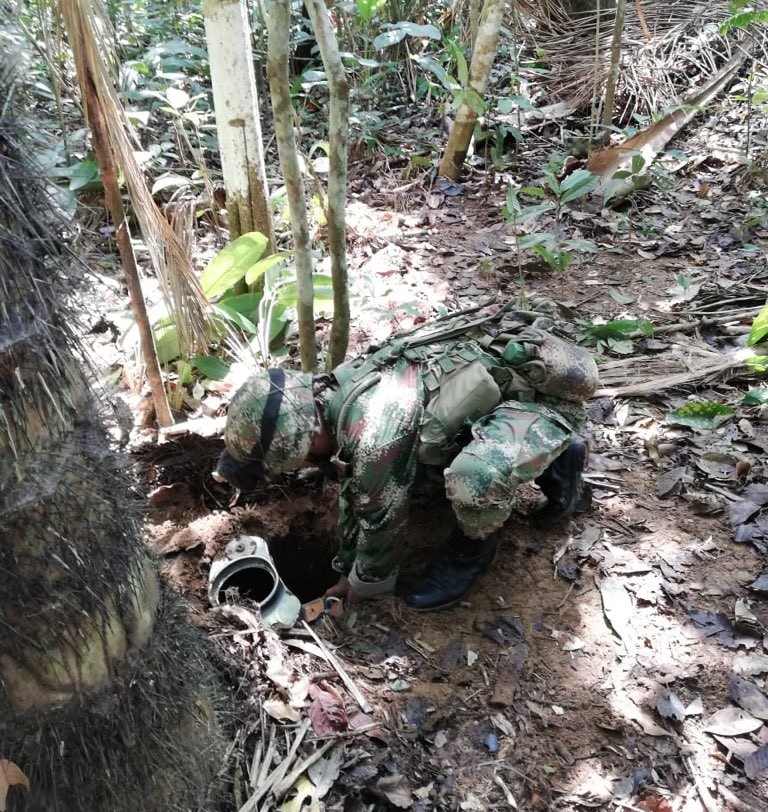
(556, 251)
(743, 15)
(616, 336)
(701, 415)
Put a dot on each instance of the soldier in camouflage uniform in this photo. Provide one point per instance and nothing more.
(514, 400)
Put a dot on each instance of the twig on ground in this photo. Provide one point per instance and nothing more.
(278, 773)
(290, 779)
(735, 801)
(497, 779)
(268, 756)
(345, 734)
(729, 495)
(345, 678)
(708, 802)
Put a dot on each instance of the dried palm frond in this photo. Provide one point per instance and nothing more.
(680, 366)
(88, 30)
(668, 49)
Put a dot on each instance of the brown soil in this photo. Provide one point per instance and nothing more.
(525, 694)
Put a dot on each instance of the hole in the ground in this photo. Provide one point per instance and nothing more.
(304, 564)
(254, 583)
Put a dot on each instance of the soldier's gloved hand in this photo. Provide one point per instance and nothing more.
(343, 590)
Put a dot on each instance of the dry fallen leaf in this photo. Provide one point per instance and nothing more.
(396, 789)
(670, 706)
(617, 607)
(655, 804)
(281, 711)
(327, 710)
(748, 696)
(731, 721)
(756, 765)
(751, 664)
(10, 775)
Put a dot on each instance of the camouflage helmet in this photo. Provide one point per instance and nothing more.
(271, 420)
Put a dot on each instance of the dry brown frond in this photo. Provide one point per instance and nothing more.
(88, 30)
(668, 49)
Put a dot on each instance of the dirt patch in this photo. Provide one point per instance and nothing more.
(537, 691)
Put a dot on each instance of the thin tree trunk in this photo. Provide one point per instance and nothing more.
(127, 258)
(482, 60)
(278, 25)
(613, 74)
(105, 701)
(338, 126)
(235, 99)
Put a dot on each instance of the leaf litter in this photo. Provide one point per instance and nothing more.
(658, 491)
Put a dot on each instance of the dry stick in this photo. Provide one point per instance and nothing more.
(345, 678)
(276, 774)
(506, 790)
(707, 800)
(735, 801)
(268, 756)
(293, 775)
(347, 734)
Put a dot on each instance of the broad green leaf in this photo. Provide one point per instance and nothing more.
(580, 245)
(177, 97)
(638, 163)
(576, 185)
(759, 328)
(529, 240)
(416, 30)
(533, 191)
(758, 364)
(83, 173)
(510, 103)
(619, 346)
(232, 263)
(620, 328)
(323, 292)
(620, 298)
(700, 415)
(531, 212)
(433, 66)
(367, 9)
(756, 396)
(278, 320)
(167, 343)
(389, 38)
(229, 314)
(138, 117)
(245, 303)
(475, 101)
(169, 180)
(184, 372)
(211, 366)
(462, 67)
(258, 269)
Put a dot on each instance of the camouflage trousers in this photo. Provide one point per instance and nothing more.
(512, 445)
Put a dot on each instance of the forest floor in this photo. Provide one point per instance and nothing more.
(614, 662)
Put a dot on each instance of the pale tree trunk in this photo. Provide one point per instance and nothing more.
(482, 60)
(338, 127)
(278, 26)
(228, 36)
(105, 699)
(613, 74)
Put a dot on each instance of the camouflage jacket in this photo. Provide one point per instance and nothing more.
(377, 434)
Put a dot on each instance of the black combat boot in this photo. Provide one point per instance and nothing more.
(561, 483)
(450, 575)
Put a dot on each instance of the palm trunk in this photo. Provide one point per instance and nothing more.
(104, 698)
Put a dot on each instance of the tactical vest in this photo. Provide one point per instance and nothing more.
(468, 365)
